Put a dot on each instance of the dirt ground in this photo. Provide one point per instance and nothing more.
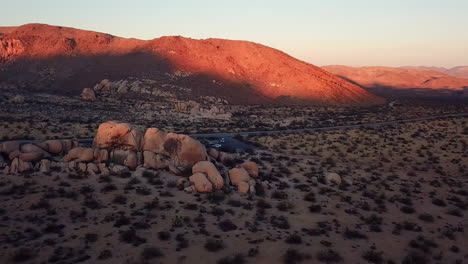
(403, 199)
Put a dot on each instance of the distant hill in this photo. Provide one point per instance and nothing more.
(65, 60)
(398, 78)
(459, 71)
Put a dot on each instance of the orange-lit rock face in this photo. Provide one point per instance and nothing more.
(267, 72)
(398, 77)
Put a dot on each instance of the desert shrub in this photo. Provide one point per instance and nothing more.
(91, 238)
(236, 259)
(263, 204)
(151, 253)
(227, 225)
(373, 256)
(129, 236)
(316, 208)
(426, 217)
(439, 202)
(279, 222)
(294, 239)
(353, 234)
(105, 254)
(414, 258)
(164, 235)
(407, 209)
(329, 256)
(23, 255)
(182, 242)
(279, 195)
(191, 206)
(120, 199)
(310, 197)
(293, 256)
(284, 206)
(214, 245)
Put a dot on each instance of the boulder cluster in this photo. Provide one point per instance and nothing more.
(121, 144)
(195, 109)
(118, 148)
(125, 86)
(26, 157)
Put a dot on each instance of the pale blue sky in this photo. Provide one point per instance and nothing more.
(349, 32)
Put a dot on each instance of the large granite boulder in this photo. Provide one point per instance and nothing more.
(153, 140)
(201, 183)
(184, 150)
(80, 154)
(238, 175)
(210, 171)
(251, 167)
(155, 160)
(114, 135)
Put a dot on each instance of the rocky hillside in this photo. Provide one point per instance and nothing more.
(373, 77)
(66, 60)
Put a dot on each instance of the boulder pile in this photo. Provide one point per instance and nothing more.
(119, 148)
(125, 86)
(23, 156)
(195, 109)
(244, 176)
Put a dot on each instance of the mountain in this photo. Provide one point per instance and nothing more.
(5, 30)
(425, 68)
(459, 71)
(65, 60)
(398, 78)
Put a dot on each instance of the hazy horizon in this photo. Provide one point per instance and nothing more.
(362, 33)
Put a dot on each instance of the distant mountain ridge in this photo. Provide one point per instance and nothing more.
(62, 59)
(458, 71)
(399, 78)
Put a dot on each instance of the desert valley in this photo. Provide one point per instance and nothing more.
(180, 150)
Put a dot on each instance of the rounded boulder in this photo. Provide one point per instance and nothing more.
(251, 167)
(238, 175)
(117, 136)
(201, 183)
(212, 173)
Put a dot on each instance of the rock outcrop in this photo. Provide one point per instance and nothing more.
(88, 94)
(211, 173)
(184, 150)
(115, 135)
(118, 149)
(195, 109)
(153, 140)
(332, 177)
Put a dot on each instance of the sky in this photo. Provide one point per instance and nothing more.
(344, 32)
